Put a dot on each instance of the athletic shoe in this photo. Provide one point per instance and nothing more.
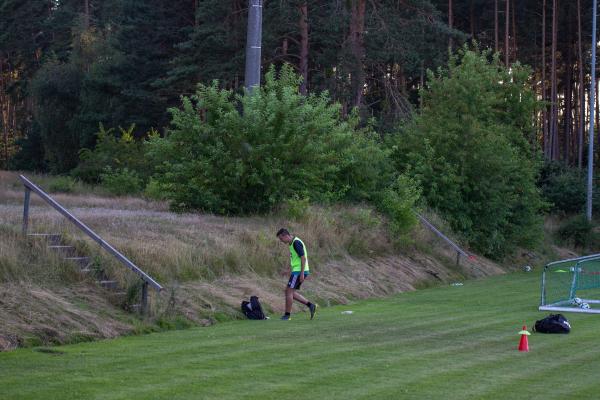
(286, 318)
(313, 310)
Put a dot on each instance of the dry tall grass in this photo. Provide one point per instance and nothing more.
(207, 263)
(185, 247)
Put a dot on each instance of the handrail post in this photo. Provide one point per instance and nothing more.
(26, 210)
(144, 298)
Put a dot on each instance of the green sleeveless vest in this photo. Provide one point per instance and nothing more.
(295, 260)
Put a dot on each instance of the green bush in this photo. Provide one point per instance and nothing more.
(398, 202)
(564, 188)
(63, 184)
(153, 190)
(116, 151)
(296, 209)
(578, 231)
(362, 217)
(468, 150)
(250, 153)
(121, 182)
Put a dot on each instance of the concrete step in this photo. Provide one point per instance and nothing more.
(50, 238)
(112, 285)
(117, 297)
(67, 251)
(83, 262)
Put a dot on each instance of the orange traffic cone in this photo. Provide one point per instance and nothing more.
(523, 343)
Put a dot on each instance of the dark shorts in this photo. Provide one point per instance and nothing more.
(294, 281)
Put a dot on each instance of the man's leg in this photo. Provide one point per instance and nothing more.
(289, 298)
(311, 306)
(299, 298)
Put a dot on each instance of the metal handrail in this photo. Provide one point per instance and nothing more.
(459, 251)
(31, 187)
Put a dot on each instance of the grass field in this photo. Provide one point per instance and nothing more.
(453, 342)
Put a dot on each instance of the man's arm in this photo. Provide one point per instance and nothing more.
(303, 263)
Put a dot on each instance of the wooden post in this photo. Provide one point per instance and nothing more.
(144, 298)
(457, 258)
(26, 211)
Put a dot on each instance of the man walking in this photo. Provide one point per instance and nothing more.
(300, 270)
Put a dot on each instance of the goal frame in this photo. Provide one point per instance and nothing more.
(563, 305)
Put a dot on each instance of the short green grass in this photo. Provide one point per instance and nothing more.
(454, 342)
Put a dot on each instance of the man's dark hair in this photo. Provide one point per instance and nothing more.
(282, 231)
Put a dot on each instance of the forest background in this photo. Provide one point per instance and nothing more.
(400, 101)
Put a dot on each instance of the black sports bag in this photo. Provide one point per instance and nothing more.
(553, 323)
(253, 309)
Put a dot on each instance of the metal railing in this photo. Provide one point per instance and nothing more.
(147, 279)
(459, 252)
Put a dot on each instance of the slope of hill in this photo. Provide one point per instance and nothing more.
(207, 264)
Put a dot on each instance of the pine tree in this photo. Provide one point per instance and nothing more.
(23, 39)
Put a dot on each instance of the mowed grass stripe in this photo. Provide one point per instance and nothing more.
(447, 342)
(515, 380)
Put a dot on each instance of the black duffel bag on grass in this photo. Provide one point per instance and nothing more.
(252, 309)
(553, 323)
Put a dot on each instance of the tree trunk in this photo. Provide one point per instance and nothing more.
(496, 44)
(514, 32)
(553, 108)
(4, 114)
(545, 109)
(304, 47)
(86, 14)
(450, 23)
(568, 92)
(581, 126)
(422, 83)
(472, 18)
(506, 33)
(284, 47)
(357, 47)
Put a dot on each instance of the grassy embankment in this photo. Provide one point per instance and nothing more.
(208, 264)
(448, 342)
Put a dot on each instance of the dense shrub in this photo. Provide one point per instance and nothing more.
(64, 184)
(296, 209)
(121, 182)
(117, 151)
(153, 191)
(564, 188)
(246, 154)
(30, 154)
(468, 150)
(398, 202)
(578, 231)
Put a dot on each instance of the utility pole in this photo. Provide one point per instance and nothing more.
(591, 134)
(253, 44)
(506, 37)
